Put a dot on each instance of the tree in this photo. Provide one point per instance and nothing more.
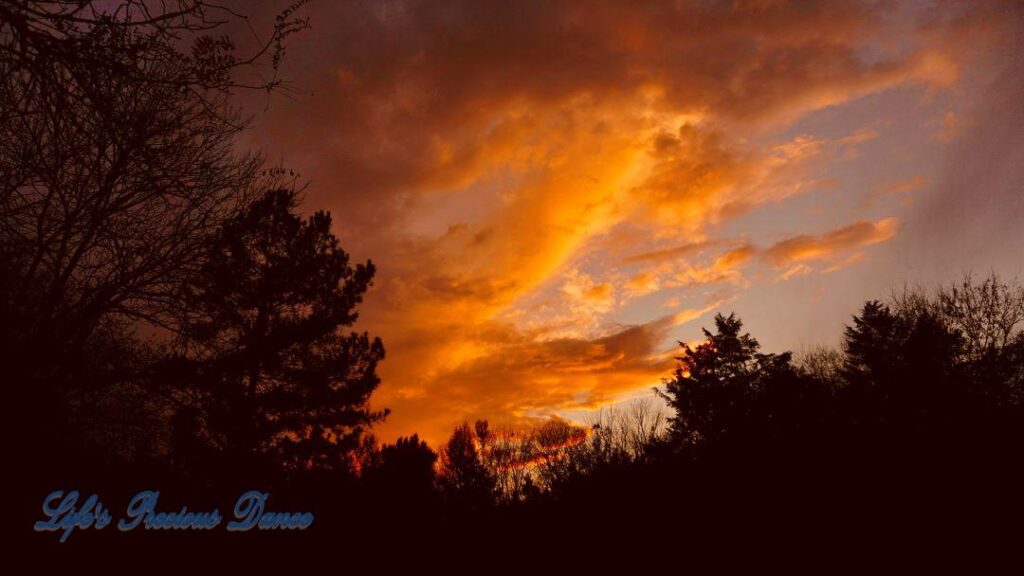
(988, 314)
(869, 345)
(903, 369)
(989, 317)
(116, 170)
(276, 377)
(715, 382)
(463, 477)
(821, 362)
(409, 462)
(402, 475)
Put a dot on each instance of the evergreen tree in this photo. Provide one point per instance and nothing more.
(870, 345)
(407, 465)
(277, 377)
(402, 477)
(716, 382)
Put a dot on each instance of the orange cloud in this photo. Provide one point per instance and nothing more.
(807, 247)
(667, 253)
(734, 257)
(794, 271)
(904, 186)
(484, 153)
(951, 127)
(521, 377)
(697, 177)
(901, 187)
(848, 261)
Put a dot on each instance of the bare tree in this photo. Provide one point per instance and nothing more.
(615, 436)
(988, 314)
(116, 162)
(625, 434)
(822, 362)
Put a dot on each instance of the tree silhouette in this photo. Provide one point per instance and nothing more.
(116, 142)
(902, 369)
(869, 345)
(118, 164)
(402, 477)
(715, 383)
(463, 477)
(276, 376)
(408, 462)
(988, 316)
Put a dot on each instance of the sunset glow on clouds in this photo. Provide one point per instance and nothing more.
(556, 192)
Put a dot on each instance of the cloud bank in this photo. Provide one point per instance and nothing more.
(538, 181)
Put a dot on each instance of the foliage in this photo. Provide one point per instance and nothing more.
(464, 478)
(715, 383)
(273, 374)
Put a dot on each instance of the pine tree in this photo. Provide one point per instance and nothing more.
(278, 380)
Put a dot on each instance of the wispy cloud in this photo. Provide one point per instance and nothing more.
(809, 247)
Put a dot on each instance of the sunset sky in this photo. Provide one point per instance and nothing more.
(554, 193)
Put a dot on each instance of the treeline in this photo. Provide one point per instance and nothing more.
(925, 399)
(908, 437)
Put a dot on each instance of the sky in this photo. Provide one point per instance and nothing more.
(556, 193)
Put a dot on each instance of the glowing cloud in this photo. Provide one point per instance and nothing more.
(526, 174)
(806, 247)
